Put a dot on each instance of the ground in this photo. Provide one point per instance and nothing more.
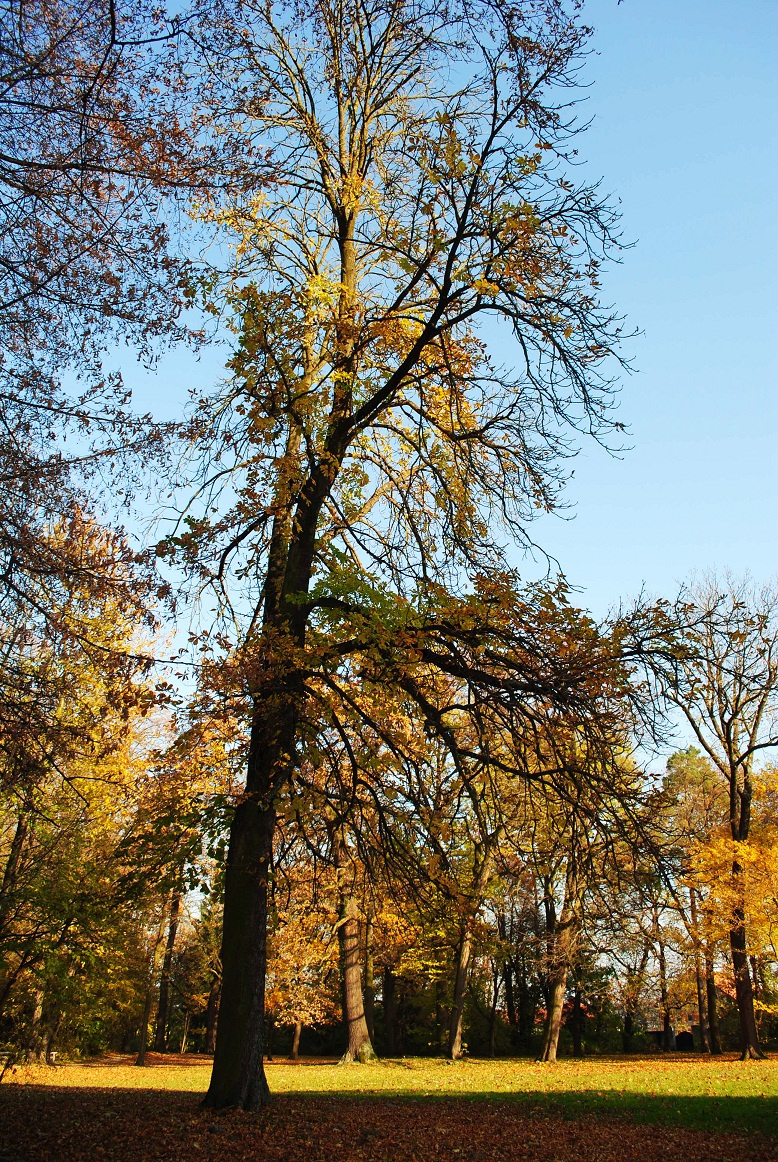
(626, 1109)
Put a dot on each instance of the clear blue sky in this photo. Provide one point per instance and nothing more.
(683, 97)
(684, 100)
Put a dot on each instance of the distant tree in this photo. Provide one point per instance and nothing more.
(720, 668)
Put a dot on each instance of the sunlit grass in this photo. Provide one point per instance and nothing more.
(715, 1094)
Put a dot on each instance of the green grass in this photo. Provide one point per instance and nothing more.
(719, 1095)
(694, 1092)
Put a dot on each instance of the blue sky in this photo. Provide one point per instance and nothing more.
(684, 134)
(683, 97)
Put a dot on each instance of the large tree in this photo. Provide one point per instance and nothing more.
(419, 336)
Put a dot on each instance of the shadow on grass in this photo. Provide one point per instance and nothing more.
(716, 1113)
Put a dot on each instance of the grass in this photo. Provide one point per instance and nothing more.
(721, 1095)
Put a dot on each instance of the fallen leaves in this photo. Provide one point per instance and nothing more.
(111, 1111)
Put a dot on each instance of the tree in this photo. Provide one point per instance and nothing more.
(97, 146)
(69, 747)
(696, 809)
(721, 670)
(368, 438)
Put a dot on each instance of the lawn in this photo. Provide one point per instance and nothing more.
(650, 1107)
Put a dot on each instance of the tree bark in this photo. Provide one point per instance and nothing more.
(482, 878)
(11, 869)
(185, 1034)
(464, 953)
(744, 993)
(160, 1035)
(295, 1050)
(564, 937)
(359, 1046)
(238, 1077)
(369, 989)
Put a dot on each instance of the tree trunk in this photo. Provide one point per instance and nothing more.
(238, 1077)
(148, 1004)
(36, 1028)
(482, 878)
(295, 1050)
(632, 997)
(212, 1014)
(713, 1009)
(577, 1021)
(564, 937)
(554, 1019)
(270, 1028)
(185, 1035)
(464, 954)
(493, 1012)
(160, 1036)
(749, 1038)
(359, 1046)
(11, 870)
(369, 989)
(666, 1026)
(510, 1005)
(390, 1012)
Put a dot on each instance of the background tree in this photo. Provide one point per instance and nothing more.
(721, 671)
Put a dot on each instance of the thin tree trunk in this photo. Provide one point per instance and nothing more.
(510, 1004)
(666, 1027)
(525, 1022)
(369, 989)
(11, 869)
(464, 953)
(577, 1021)
(270, 1028)
(390, 1011)
(295, 1050)
(749, 1038)
(148, 1004)
(185, 1036)
(493, 1011)
(160, 1036)
(713, 1008)
(36, 1034)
